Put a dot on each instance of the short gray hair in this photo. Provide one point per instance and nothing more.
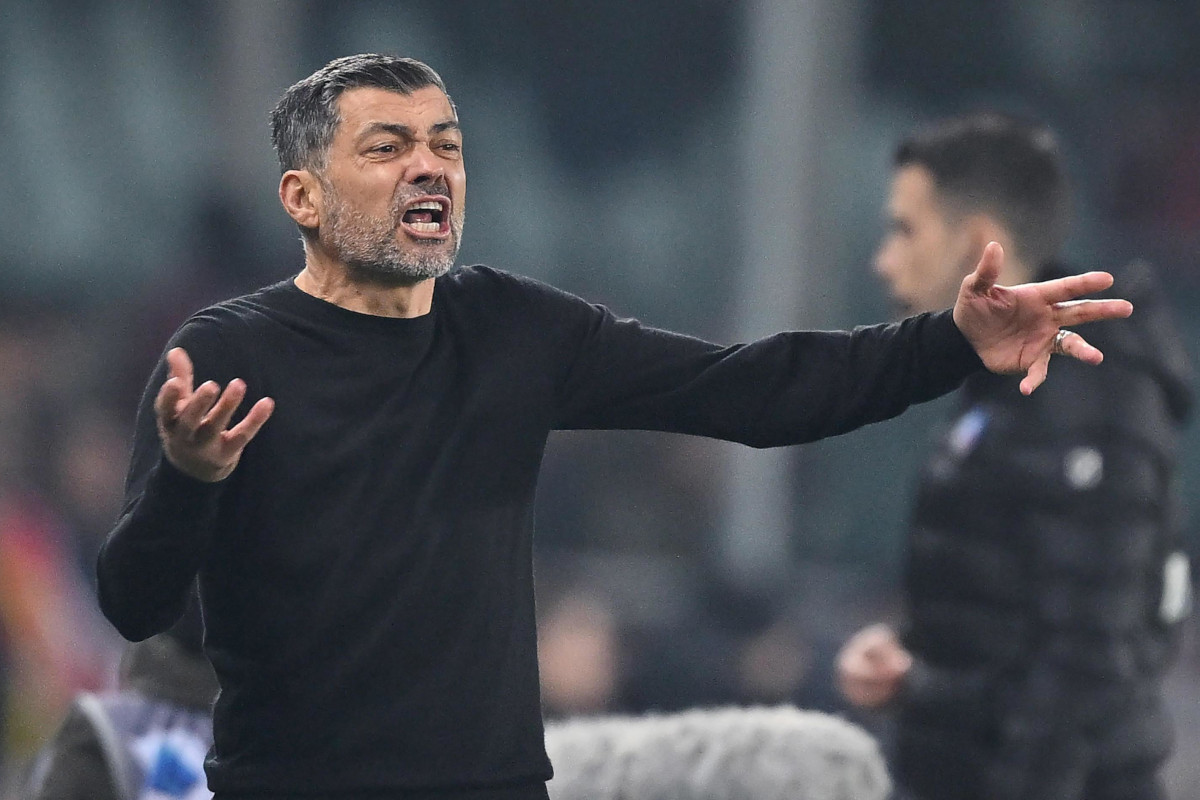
(305, 119)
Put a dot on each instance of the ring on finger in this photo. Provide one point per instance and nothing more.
(1057, 347)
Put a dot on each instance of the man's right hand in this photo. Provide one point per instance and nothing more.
(872, 666)
(194, 424)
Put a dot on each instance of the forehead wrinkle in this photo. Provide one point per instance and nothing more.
(395, 128)
(404, 131)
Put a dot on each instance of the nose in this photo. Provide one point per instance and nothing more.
(423, 165)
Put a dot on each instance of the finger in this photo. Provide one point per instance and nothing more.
(854, 669)
(1072, 286)
(1076, 312)
(239, 435)
(853, 661)
(176, 388)
(1036, 374)
(1076, 346)
(877, 652)
(167, 401)
(987, 270)
(218, 417)
(193, 409)
(179, 365)
(870, 671)
(887, 667)
(893, 660)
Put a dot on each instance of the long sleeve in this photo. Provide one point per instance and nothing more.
(149, 560)
(785, 389)
(146, 566)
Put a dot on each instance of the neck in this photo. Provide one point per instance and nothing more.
(334, 284)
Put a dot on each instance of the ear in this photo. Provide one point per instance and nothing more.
(300, 193)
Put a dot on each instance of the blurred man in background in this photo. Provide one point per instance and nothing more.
(1043, 580)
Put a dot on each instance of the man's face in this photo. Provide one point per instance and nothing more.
(393, 190)
(923, 257)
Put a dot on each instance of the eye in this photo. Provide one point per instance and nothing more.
(450, 147)
(384, 148)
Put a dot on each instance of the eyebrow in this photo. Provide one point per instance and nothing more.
(406, 131)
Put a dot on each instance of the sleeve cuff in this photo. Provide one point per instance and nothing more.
(167, 486)
(950, 347)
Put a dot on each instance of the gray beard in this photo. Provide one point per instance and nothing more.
(368, 246)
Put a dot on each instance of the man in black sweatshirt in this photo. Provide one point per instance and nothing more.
(347, 459)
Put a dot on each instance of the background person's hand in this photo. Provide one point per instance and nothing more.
(193, 425)
(1012, 328)
(872, 666)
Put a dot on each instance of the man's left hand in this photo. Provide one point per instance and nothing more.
(1013, 328)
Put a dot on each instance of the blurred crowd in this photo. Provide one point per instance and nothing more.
(69, 376)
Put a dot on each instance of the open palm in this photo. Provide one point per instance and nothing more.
(1012, 328)
(194, 424)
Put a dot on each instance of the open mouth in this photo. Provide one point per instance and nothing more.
(427, 218)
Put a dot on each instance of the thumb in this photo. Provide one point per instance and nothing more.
(987, 271)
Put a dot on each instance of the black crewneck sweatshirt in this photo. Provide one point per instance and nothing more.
(366, 570)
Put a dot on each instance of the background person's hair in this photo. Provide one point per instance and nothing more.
(777, 753)
(999, 164)
(304, 120)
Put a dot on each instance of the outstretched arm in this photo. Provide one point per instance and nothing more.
(1013, 328)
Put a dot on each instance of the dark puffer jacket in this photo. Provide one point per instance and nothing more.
(1041, 619)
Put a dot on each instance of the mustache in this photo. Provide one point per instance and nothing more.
(405, 194)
